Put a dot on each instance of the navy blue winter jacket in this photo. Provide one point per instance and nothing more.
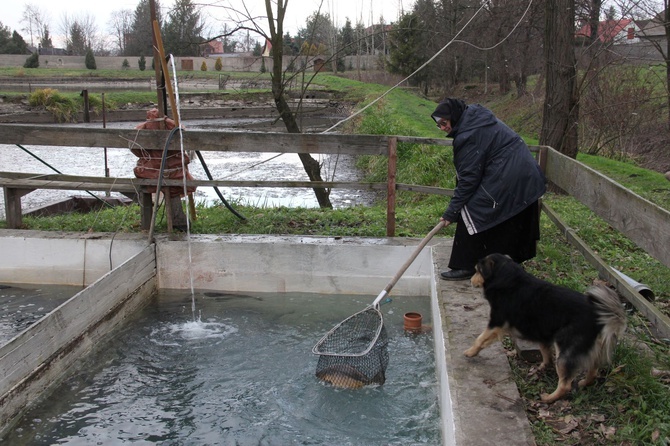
(497, 176)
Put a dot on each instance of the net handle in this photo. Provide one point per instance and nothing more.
(408, 262)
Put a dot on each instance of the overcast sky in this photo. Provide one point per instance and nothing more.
(296, 13)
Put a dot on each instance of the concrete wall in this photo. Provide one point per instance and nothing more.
(280, 264)
(236, 63)
(249, 263)
(63, 259)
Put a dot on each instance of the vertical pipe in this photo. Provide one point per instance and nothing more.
(104, 126)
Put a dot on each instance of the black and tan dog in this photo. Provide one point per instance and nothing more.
(582, 328)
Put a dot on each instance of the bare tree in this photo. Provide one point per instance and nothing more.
(120, 24)
(561, 105)
(34, 20)
(276, 38)
(659, 26)
(81, 32)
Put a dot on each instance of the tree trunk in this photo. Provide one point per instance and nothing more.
(561, 106)
(667, 52)
(311, 166)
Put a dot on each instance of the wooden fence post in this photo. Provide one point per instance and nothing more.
(390, 186)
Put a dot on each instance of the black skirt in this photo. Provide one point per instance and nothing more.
(517, 237)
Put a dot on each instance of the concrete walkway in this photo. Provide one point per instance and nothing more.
(487, 408)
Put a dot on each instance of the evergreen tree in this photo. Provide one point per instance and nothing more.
(125, 65)
(76, 40)
(142, 63)
(291, 46)
(33, 61)
(318, 30)
(45, 41)
(140, 38)
(90, 60)
(12, 42)
(182, 34)
(347, 40)
(405, 52)
(20, 44)
(218, 65)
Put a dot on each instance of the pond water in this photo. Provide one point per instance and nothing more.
(241, 372)
(222, 165)
(21, 305)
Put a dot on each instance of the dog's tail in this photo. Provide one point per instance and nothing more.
(611, 316)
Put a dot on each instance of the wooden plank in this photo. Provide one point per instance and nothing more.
(660, 321)
(186, 112)
(54, 366)
(425, 189)
(426, 141)
(390, 191)
(54, 332)
(74, 182)
(73, 137)
(645, 223)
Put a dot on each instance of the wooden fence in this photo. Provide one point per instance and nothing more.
(646, 224)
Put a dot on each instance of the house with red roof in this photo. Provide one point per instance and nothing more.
(612, 31)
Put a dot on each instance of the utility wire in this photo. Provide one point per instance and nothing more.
(433, 58)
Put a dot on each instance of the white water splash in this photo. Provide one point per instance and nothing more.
(173, 333)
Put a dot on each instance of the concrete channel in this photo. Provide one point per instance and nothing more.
(479, 402)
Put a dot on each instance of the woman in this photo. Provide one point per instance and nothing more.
(498, 184)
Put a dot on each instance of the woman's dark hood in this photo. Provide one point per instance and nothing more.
(451, 109)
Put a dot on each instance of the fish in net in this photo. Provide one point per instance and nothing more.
(355, 352)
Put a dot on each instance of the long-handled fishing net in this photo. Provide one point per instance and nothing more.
(354, 353)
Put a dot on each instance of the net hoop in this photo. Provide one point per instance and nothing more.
(318, 348)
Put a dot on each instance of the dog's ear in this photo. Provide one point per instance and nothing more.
(486, 266)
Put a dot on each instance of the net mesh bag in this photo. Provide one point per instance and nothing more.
(355, 352)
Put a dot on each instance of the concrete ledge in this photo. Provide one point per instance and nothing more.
(486, 404)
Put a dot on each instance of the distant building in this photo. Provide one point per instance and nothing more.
(622, 31)
(212, 48)
(51, 51)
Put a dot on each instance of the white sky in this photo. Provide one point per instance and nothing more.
(296, 15)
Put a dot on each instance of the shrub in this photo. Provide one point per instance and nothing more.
(33, 61)
(203, 67)
(218, 66)
(125, 65)
(142, 63)
(63, 108)
(90, 60)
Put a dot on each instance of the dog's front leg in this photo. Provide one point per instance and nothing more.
(488, 337)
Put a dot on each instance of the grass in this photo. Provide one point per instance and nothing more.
(630, 405)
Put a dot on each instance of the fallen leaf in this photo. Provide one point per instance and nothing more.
(617, 369)
(660, 373)
(598, 417)
(607, 431)
(655, 435)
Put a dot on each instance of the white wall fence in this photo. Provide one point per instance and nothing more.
(240, 63)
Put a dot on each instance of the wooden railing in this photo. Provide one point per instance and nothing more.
(82, 138)
(646, 224)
